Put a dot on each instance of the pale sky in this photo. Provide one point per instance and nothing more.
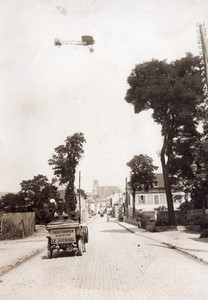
(49, 93)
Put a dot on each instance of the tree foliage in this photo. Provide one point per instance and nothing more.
(64, 164)
(38, 191)
(82, 193)
(34, 196)
(174, 92)
(12, 202)
(142, 174)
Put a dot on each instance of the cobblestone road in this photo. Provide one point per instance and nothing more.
(118, 265)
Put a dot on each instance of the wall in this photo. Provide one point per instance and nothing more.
(24, 221)
(191, 217)
(84, 210)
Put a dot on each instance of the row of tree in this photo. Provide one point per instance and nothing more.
(176, 94)
(36, 193)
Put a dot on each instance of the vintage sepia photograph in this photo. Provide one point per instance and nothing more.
(104, 149)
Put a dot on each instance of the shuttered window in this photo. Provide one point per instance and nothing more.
(156, 199)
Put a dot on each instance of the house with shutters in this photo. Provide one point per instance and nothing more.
(151, 200)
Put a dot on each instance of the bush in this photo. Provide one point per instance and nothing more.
(204, 234)
(203, 224)
(150, 225)
(10, 231)
(162, 222)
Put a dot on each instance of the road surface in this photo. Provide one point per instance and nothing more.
(118, 265)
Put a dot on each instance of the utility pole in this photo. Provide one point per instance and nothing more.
(80, 207)
(203, 51)
(126, 204)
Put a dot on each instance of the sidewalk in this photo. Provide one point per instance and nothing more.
(186, 242)
(14, 252)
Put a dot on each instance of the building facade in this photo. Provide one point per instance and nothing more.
(151, 200)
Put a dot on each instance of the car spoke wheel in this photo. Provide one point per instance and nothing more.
(80, 247)
(50, 251)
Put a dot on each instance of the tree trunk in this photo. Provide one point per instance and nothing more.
(126, 212)
(203, 208)
(186, 200)
(70, 199)
(171, 213)
(134, 195)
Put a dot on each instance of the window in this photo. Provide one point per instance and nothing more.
(142, 199)
(156, 199)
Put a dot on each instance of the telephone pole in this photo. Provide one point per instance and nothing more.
(203, 52)
(80, 207)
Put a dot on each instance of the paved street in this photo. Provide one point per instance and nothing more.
(117, 265)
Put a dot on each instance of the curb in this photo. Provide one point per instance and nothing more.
(185, 252)
(20, 261)
(128, 229)
(172, 246)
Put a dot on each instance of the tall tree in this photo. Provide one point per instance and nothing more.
(38, 191)
(64, 164)
(142, 174)
(174, 92)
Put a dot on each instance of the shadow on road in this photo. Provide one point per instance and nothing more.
(161, 246)
(60, 254)
(115, 231)
(202, 240)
